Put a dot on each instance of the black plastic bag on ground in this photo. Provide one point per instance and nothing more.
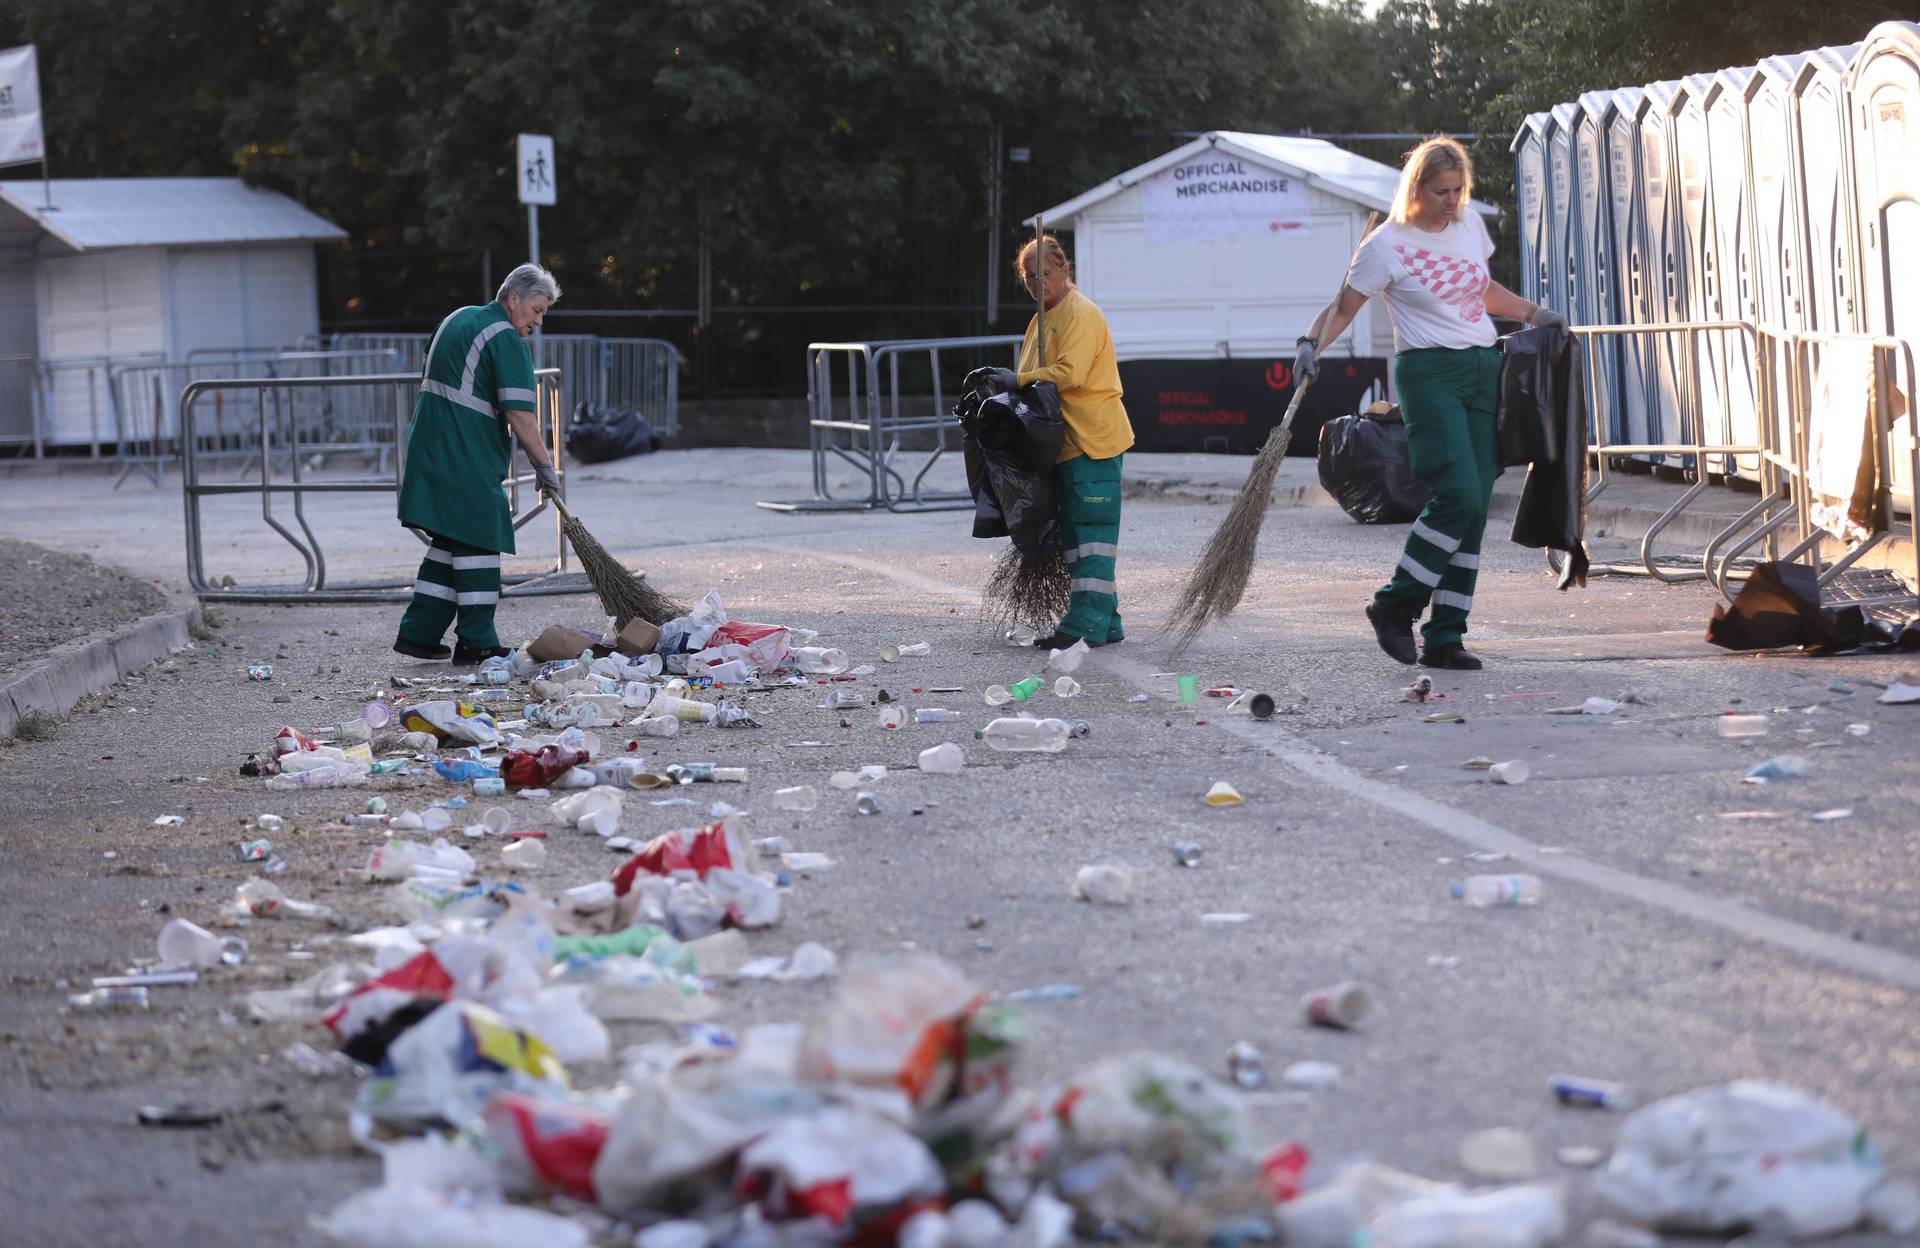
(1012, 443)
(1364, 465)
(598, 434)
(1780, 606)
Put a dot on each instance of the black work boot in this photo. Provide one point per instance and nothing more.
(1454, 657)
(467, 656)
(1393, 629)
(414, 650)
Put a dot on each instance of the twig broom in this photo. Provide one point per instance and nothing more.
(1217, 582)
(623, 595)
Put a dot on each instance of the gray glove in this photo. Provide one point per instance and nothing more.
(1547, 316)
(1005, 380)
(547, 479)
(1306, 364)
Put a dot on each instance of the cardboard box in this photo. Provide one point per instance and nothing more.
(637, 638)
(557, 641)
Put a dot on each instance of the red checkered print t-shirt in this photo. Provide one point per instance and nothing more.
(1435, 283)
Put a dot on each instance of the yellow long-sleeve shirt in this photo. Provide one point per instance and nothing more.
(1081, 366)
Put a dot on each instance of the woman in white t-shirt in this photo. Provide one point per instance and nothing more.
(1430, 262)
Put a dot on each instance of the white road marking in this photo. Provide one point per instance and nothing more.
(1870, 960)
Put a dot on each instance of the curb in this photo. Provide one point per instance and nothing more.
(78, 668)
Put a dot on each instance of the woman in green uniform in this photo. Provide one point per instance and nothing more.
(1080, 363)
(477, 394)
(1429, 261)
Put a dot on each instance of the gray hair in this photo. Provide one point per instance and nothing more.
(529, 281)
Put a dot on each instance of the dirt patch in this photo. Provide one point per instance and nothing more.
(48, 599)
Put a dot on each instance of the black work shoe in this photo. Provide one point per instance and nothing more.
(1394, 631)
(466, 656)
(414, 650)
(1061, 641)
(1454, 657)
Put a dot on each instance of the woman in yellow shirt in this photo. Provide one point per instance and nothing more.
(1080, 364)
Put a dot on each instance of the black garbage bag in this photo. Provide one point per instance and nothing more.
(1364, 465)
(597, 434)
(1780, 606)
(1011, 443)
(1541, 421)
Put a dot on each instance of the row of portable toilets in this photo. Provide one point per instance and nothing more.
(1782, 194)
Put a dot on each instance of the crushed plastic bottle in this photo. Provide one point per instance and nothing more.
(1022, 736)
(934, 715)
(799, 797)
(819, 660)
(1483, 891)
(188, 944)
(910, 650)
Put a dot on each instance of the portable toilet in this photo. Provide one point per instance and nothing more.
(1780, 266)
(1625, 212)
(1664, 249)
(1822, 171)
(1730, 257)
(1530, 184)
(1706, 381)
(1884, 86)
(1596, 300)
(1563, 211)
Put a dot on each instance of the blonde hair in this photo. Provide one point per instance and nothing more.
(1056, 256)
(1426, 162)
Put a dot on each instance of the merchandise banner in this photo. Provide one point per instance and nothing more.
(21, 140)
(1217, 196)
(1231, 405)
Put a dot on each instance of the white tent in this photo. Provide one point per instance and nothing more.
(95, 273)
(1227, 245)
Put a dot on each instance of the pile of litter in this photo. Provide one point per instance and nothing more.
(895, 1113)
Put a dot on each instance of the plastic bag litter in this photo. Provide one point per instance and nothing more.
(842, 1164)
(694, 851)
(675, 1137)
(625, 988)
(444, 1069)
(453, 968)
(692, 631)
(1529, 1215)
(897, 1022)
(451, 721)
(400, 860)
(1744, 1154)
(454, 1202)
(1109, 884)
(546, 1145)
(808, 961)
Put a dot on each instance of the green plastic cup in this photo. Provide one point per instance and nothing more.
(1025, 689)
(1189, 688)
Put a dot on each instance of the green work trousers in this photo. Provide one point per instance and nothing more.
(1447, 399)
(455, 581)
(1089, 536)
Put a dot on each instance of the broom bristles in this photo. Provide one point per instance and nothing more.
(1220, 578)
(1033, 592)
(622, 595)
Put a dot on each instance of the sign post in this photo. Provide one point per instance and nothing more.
(537, 187)
(22, 137)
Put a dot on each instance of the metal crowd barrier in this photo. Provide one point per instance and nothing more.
(147, 426)
(1695, 455)
(1787, 464)
(394, 393)
(638, 373)
(865, 425)
(60, 378)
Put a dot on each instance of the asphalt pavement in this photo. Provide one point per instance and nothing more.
(1694, 928)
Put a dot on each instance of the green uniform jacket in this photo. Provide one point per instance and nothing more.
(460, 449)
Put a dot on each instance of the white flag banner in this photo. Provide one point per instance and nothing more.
(1215, 196)
(21, 139)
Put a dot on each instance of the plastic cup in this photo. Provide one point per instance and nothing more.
(1189, 688)
(377, 714)
(1341, 1005)
(499, 820)
(1066, 687)
(799, 797)
(908, 650)
(945, 759)
(867, 804)
(998, 695)
(524, 854)
(893, 715)
(1515, 772)
(436, 819)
